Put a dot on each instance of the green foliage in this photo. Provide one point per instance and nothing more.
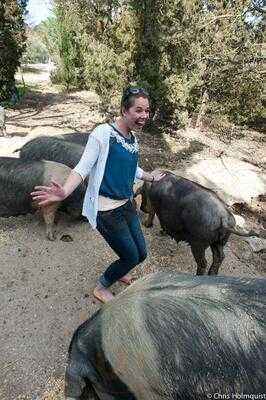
(184, 52)
(237, 93)
(60, 35)
(104, 71)
(36, 51)
(205, 46)
(12, 44)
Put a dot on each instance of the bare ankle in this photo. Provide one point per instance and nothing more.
(102, 293)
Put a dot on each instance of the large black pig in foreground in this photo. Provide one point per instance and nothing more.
(52, 149)
(17, 180)
(190, 212)
(171, 337)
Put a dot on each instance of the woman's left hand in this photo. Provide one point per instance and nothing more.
(158, 177)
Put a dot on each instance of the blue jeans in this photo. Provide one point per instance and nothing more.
(122, 231)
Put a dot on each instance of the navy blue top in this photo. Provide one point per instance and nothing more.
(120, 167)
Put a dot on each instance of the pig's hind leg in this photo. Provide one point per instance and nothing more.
(218, 257)
(49, 213)
(198, 251)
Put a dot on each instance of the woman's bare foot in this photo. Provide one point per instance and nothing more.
(102, 294)
(127, 279)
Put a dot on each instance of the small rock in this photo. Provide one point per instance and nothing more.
(66, 238)
(240, 221)
(257, 244)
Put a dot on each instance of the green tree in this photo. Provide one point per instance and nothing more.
(89, 42)
(12, 43)
(62, 39)
(199, 55)
(36, 51)
(194, 56)
(147, 52)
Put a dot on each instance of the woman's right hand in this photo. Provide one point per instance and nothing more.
(45, 195)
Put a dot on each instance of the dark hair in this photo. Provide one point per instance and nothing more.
(130, 93)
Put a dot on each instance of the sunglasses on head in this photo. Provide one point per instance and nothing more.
(134, 91)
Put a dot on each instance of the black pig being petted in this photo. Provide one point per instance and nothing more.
(171, 336)
(18, 179)
(192, 213)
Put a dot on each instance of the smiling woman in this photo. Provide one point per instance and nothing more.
(111, 159)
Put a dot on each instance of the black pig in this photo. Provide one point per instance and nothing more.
(192, 213)
(18, 179)
(52, 149)
(171, 336)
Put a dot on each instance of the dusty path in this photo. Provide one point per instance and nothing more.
(45, 287)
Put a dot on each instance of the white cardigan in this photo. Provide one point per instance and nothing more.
(92, 163)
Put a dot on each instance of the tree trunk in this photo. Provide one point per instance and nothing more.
(203, 108)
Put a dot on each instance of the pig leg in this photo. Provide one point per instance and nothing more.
(74, 385)
(4, 131)
(48, 213)
(218, 257)
(134, 203)
(198, 251)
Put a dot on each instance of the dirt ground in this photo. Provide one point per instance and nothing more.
(46, 287)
